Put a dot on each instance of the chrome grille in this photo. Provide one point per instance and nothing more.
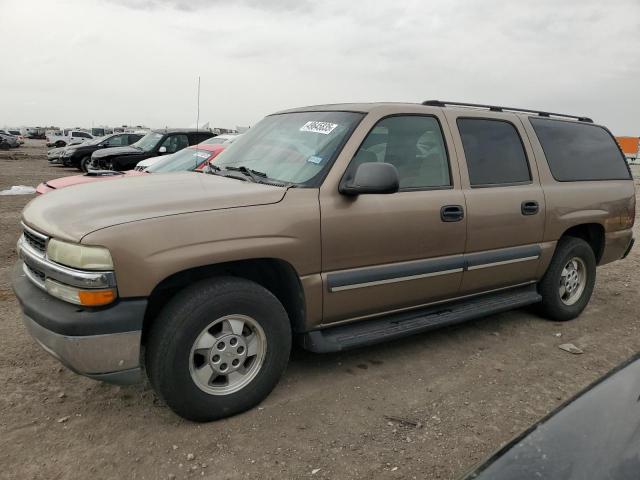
(36, 276)
(35, 272)
(36, 240)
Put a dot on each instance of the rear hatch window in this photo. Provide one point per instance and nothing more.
(580, 151)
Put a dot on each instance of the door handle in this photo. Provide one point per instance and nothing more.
(529, 207)
(451, 213)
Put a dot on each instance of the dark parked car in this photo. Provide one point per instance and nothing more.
(80, 155)
(594, 436)
(153, 144)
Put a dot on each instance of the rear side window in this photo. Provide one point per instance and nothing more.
(117, 141)
(494, 152)
(198, 137)
(579, 151)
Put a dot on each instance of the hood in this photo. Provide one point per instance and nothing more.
(84, 146)
(111, 151)
(80, 179)
(150, 161)
(72, 213)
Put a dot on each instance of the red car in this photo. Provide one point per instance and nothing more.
(189, 159)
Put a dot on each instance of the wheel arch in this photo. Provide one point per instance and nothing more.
(592, 233)
(276, 275)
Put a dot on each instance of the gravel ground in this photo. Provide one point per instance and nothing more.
(430, 406)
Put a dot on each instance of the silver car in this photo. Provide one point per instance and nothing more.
(9, 140)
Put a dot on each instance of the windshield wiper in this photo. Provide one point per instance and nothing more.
(254, 175)
(212, 169)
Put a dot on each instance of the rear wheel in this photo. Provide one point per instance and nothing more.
(568, 283)
(218, 348)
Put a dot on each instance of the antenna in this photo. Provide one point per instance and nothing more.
(198, 122)
(198, 115)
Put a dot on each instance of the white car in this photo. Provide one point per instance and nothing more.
(142, 165)
(61, 138)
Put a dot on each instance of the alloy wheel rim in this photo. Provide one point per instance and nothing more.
(573, 280)
(227, 355)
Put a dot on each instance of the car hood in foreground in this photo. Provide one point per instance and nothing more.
(64, 182)
(72, 213)
(595, 436)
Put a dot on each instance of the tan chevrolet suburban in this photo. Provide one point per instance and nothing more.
(338, 226)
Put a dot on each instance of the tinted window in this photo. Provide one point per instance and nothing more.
(175, 143)
(579, 151)
(494, 152)
(199, 137)
(413, 144)
(133, 138)
(117, 141)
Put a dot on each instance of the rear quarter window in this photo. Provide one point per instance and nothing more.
(579, 151)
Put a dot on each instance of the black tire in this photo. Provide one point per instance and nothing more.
(59, 144)
(174, 331)
(552, 306)
(83, 163)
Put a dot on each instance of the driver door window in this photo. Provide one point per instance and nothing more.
(117, 141)
(414, 145)
(175, 143)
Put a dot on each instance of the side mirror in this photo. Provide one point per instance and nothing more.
(372, 177)
(162, 150)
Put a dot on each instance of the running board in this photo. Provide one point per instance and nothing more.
(381, 329)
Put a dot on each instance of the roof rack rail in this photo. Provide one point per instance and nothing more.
(495, 108)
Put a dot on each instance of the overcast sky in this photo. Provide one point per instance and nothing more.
(84, 62)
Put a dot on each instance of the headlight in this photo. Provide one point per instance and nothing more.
(79, 256)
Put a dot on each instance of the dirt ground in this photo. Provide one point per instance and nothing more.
(430, 406)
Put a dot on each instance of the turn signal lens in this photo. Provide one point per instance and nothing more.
(86, 298)
(94, 298)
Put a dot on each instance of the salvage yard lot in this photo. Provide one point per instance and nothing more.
(430, 406)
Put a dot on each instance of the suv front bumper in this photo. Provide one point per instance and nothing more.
(101, 343)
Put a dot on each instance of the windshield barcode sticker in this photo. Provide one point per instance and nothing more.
(319, 127)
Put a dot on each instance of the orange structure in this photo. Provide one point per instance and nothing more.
(629, 145)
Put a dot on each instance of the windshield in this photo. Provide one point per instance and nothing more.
(148, 142)
(96, 141)
(185, 160)
(291, 147)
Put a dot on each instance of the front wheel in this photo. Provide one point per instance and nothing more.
(218, 348)
(567, 285)
(59, 144)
